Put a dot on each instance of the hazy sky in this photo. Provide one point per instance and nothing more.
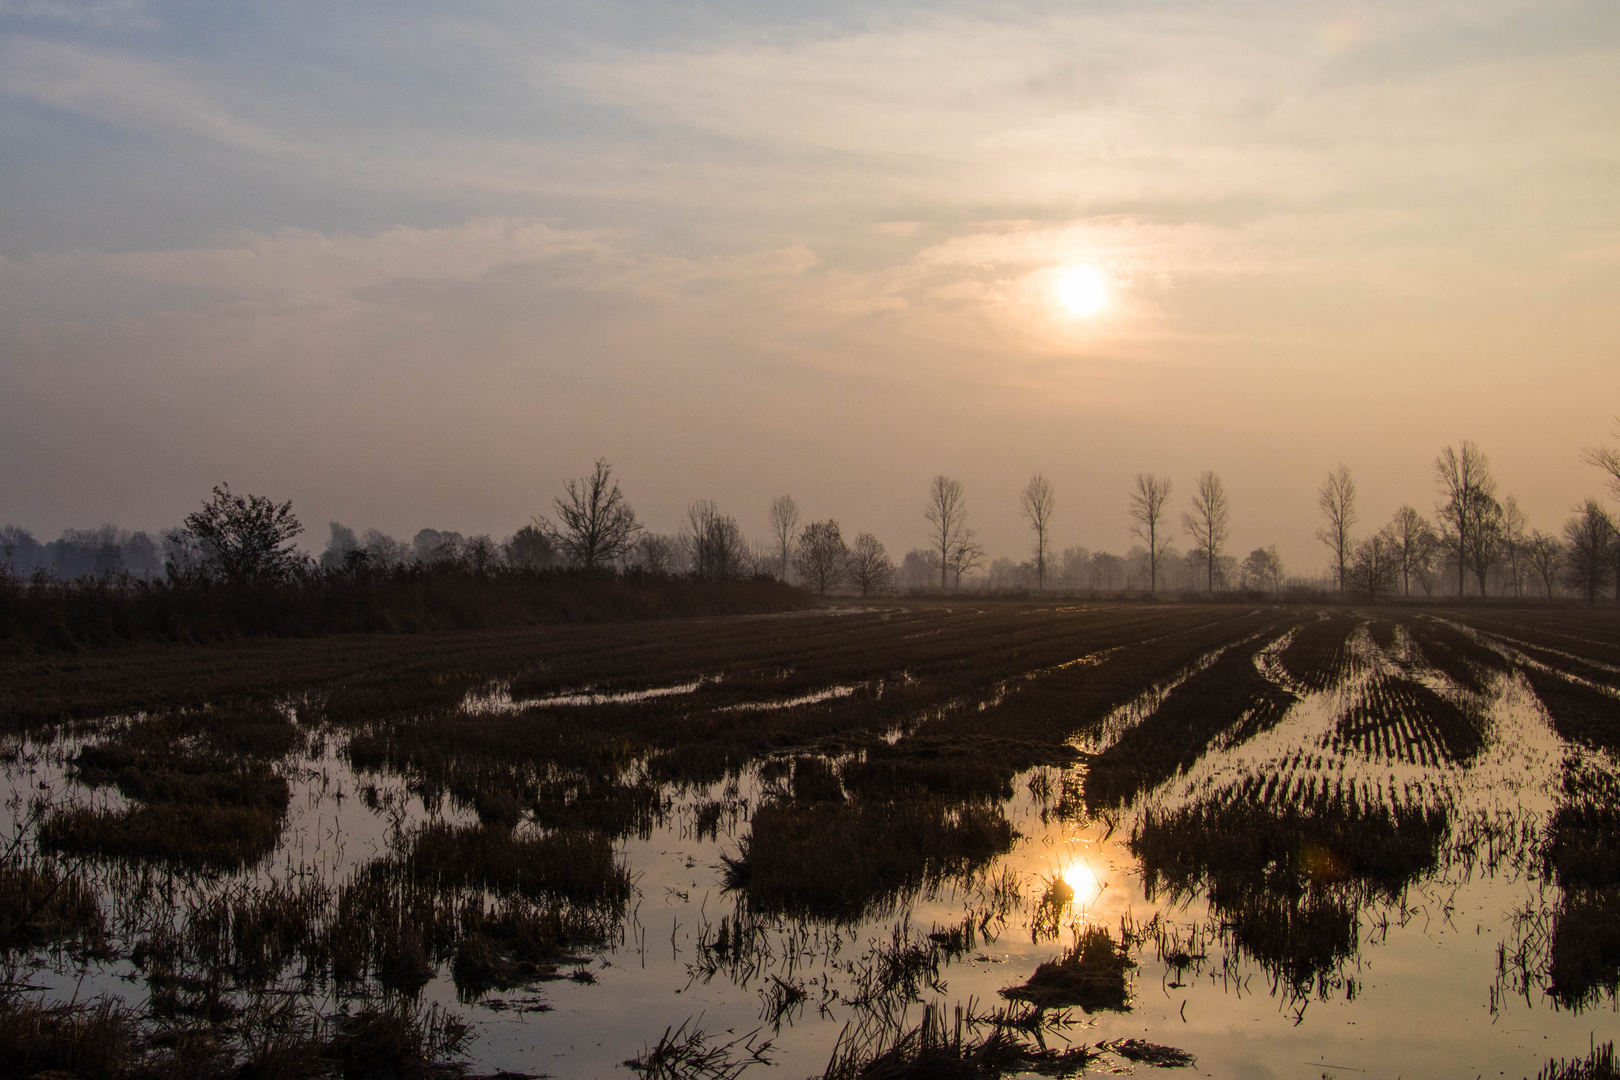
(411, 264)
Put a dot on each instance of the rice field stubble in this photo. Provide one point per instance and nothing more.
(260, 855)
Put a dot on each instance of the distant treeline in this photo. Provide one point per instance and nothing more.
(399, 599)
(1477, 544)
(232, 571)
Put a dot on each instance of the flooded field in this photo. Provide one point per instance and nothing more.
(900, 840)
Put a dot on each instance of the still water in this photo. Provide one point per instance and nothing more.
(1438, 967)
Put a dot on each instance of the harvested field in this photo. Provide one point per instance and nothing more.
(824, 841)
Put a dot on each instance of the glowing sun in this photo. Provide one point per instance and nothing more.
(1081, 289)
(1083, 880)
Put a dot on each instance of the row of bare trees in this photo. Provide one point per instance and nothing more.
(1474, 533)
(1205, 522)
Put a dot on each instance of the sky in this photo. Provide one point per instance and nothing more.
(410, 265)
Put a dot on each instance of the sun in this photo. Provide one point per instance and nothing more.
(1082, 290)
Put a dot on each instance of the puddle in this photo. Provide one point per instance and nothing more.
(498, 699)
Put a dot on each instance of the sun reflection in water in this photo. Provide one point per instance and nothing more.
(1084, 883)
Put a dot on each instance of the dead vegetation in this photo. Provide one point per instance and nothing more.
(1093, 975)
(845, 860)
(1598, 1064)
(885, 746)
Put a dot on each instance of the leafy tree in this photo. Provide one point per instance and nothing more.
(530, 548)
(1038, 502)
(919, 568)
(20, 553)
(822, 559)
(479, 554)
(1337, 498)
(1263, 569)
(870, 565)
(382, 550)
(244, 541)
(338, 547)
(430, 546)
(1147, 511)
(594, 523)
(1207, 521)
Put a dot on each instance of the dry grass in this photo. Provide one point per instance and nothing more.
(848, 859)
(1093, 975)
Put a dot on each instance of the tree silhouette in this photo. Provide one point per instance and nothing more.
(1470, 510)
(1590, 536)
(1337, 498)
(823, 559)
(784, 527)
(947, 513)
(1545, 557)
(1206, 522)
(245, 541)
(713, 542)
(1147, 510)
(1414, 542)
(1038, 503)
(594, 523)
(870, 565)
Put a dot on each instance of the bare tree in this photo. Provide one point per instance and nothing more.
(595, 524)
(822, 559)
(870, 565)
(714, 543)
(653, 554)
(784, 527)
(1511, 539)
(947, 513)
(1607, 459)
(1206, 522)
(1147, 510)
(1588, 556)
(245, 541)
(1038, 503)
(1337, 498)
(1470, 509)
(1373, 567)
(967, 555)
(1544, 555)
(1414, 542)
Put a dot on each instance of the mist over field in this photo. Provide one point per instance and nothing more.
(412, 267)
